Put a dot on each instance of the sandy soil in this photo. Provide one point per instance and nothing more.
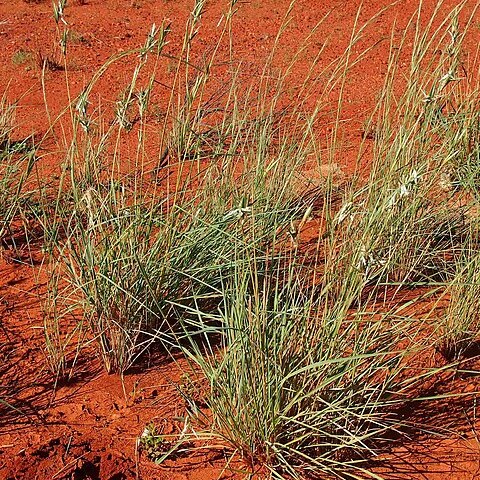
(88, 429)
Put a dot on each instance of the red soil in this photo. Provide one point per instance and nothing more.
(88, 429)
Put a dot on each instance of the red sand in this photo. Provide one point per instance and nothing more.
(88, 428)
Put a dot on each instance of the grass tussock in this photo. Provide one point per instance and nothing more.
(200, 246)
(17, 160)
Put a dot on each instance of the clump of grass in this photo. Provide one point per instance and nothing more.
(310, 365)
(126, 258)
(17, 159)
(132, 248)
(298, 385)
(405, 224)
(100, 228)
